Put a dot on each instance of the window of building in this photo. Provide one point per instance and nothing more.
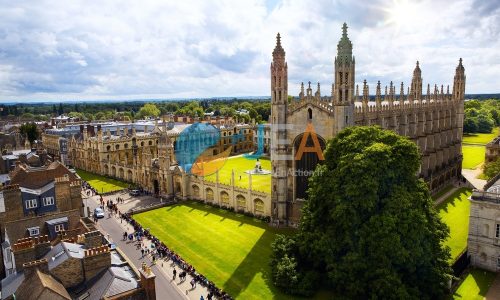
(498, 262)
(259, 206)
(58, 227)
(310, 114)
(48, 201)
(497, 231)
(31, 203)
(224, 197)
(34, 231)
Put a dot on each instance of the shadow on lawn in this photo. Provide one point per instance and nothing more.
(256, 261)
(456, 196)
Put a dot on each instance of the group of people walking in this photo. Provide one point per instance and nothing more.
(158, 250)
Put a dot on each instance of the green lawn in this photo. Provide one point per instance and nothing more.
(480, 138)
(100, 183)
(475, 286)
(240, 164)
(230, 249)
(454, 211)
(473, 156)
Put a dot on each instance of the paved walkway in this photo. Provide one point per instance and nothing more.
(446, 195)
(494, 291)
(166, 287)
(471, 176)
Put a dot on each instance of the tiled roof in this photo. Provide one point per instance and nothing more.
(34, 178)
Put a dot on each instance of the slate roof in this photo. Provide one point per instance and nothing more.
(11, 283)
(40, 281)
(62, 252)
(111, 282)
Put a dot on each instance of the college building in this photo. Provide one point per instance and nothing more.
(433, 120)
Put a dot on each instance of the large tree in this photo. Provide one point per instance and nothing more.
(149, 110)
(29, 131)
(369, 223)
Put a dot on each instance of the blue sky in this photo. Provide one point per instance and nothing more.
(53, 50)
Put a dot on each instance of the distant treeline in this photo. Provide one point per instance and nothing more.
(258, 109)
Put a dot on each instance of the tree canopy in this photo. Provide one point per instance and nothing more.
(149, 110)
(29, 131)
(369, 225)
(481, 116)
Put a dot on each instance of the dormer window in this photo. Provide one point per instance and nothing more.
(31, 203)
(34, 231)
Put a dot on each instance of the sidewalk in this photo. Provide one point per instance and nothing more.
(447, 194)
(471, 176)
(163, 266)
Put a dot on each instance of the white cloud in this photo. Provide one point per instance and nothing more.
(189, 48)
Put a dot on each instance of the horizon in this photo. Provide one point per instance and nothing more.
(222, 98)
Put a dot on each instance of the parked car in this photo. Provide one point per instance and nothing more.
(134, 193)
(98, 213)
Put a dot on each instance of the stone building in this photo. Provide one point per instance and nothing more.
(492, 150)
(433, 121)
(147, 158)
(79, 268)
(38, 201)
(484, 226)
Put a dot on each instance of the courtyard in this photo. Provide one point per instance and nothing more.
(240, 164)
(475, 285)
(230, 249)
(474, 148)
(454, 211)
(100, 183)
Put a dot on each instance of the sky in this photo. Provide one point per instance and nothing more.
(77, 50)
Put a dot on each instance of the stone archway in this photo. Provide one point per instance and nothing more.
(306, 164)
(156, 186)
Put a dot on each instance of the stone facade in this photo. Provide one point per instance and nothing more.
(433, 121)
(492, 150)
(142, 158)
(484, 226)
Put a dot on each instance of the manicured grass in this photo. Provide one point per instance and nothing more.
(475, 286)
(100, 183)
(230, 249)
(473, 156)
(480, 138)
(240, 164)
(454, 211)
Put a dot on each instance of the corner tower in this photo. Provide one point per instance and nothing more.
(279, 106)
(343, 96)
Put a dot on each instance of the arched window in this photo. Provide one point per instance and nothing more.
(241, 202)
(117, 147)
(150, 143)
(210, 194)
(309, 114)
(196, 191)
(224, 198)
(108, 148)
(258, 206)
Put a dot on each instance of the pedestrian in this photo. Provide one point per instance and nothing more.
(193, 283)
(125, 236)
(174, 272)
(201, 297)
(142, 252)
